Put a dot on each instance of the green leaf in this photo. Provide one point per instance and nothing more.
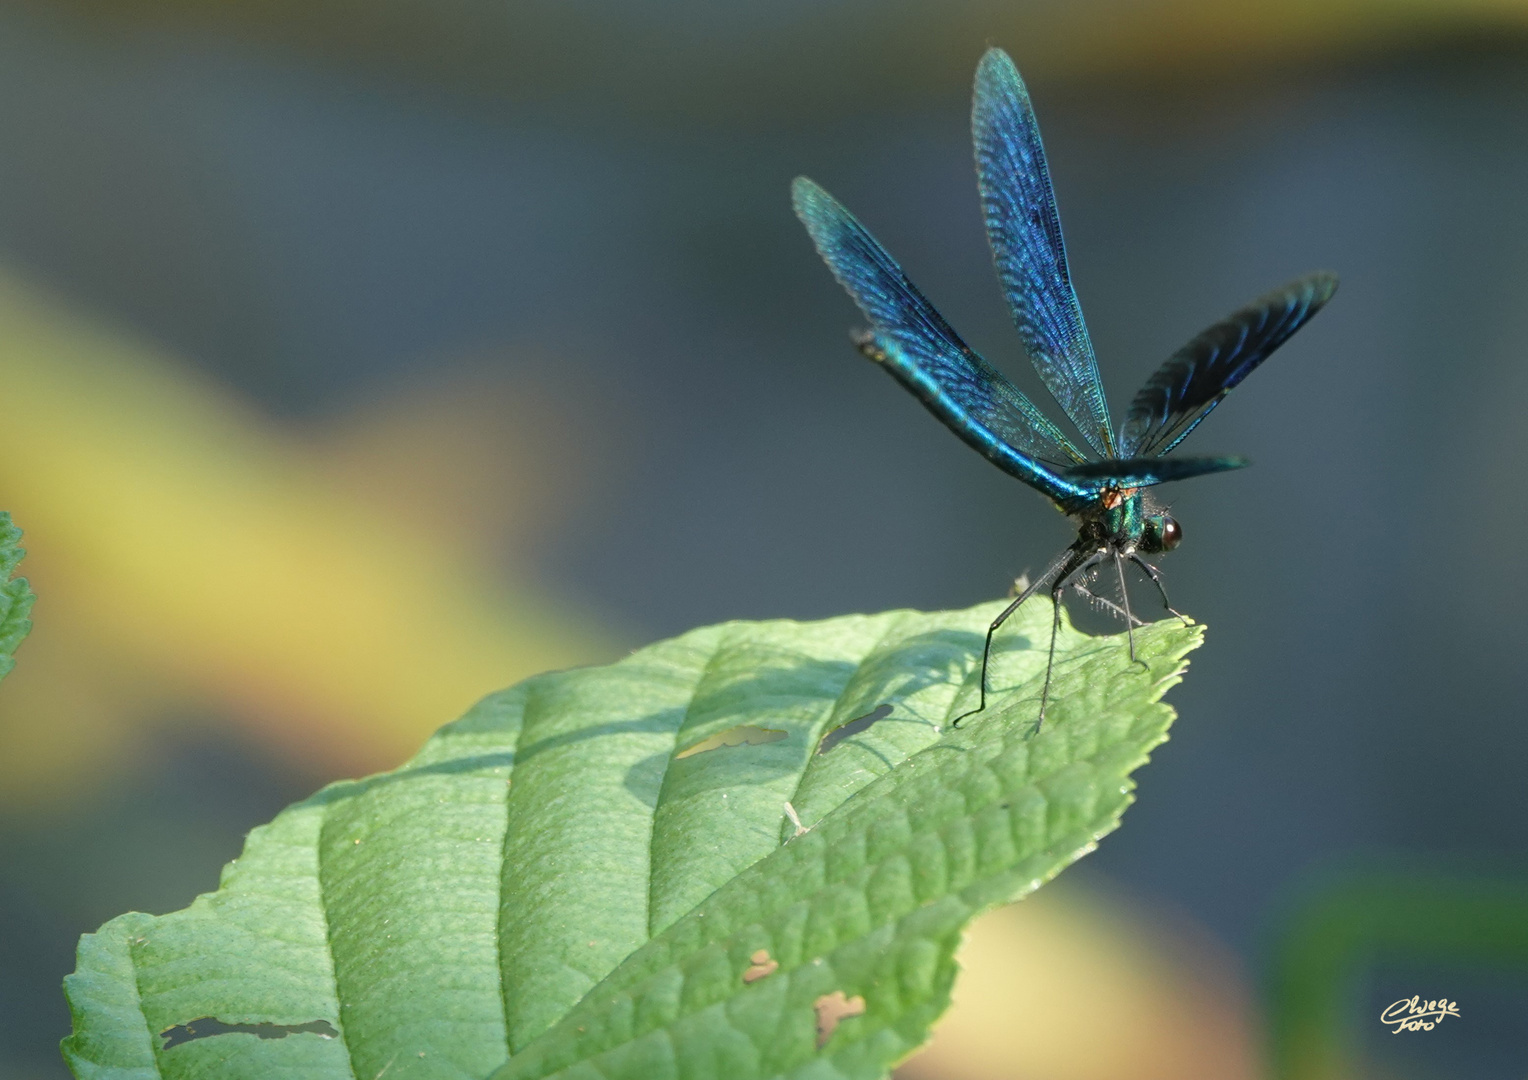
(15, 595)
(595, 873)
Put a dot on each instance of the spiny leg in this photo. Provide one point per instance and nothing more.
(1156, 579)
(1105, 604)
(1055, 567)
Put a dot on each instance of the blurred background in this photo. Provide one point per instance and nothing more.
(357, 359)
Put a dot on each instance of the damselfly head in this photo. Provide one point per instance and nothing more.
(1161, 532)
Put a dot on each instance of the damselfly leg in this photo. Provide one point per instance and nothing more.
(1033, 587)
(1065, 569)
(1103, 603)
(1124, 598)
(1156, 579)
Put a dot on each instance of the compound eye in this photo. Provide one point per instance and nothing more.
(1172, 533)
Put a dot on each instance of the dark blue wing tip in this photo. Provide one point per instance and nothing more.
(1321, 285)
(1218, 464)
(825, 218)
(997, 76)
(808, 197)
(996, 64)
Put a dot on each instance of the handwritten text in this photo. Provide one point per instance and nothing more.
(1414, 1014)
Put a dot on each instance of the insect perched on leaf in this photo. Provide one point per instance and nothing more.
(1116, 521)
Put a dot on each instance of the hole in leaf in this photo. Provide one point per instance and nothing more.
(831, 1008)
(204, 1027)
(762, 964)
(744, 735)
(853, 727)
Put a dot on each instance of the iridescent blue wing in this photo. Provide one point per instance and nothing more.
(1144, 472)
(914, 343)
(1197, 376)
(1025, 233)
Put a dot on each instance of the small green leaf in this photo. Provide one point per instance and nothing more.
(557, 885)
(15, 595)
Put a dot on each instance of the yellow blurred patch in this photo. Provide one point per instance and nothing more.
(186, 548)
(1068, 985)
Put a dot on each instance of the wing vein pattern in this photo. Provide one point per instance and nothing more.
(914, 343)
(1024, 230)
(1195, 378)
